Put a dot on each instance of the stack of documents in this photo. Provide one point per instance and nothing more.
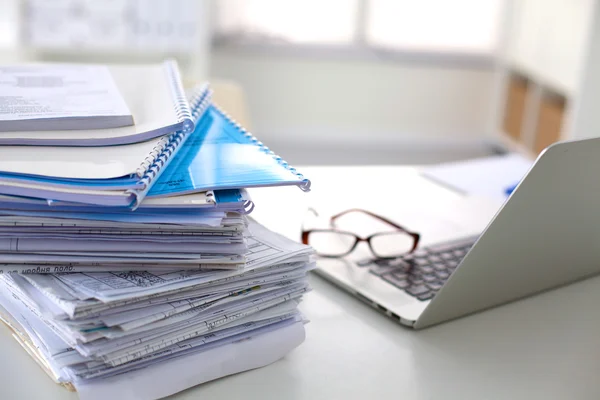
(112, 297)
(86, 327)
(37, 238)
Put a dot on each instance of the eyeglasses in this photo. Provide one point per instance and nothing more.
(338, 243)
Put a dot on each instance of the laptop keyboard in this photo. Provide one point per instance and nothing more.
(422, 273)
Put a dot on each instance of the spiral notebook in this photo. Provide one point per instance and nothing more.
(220, 154)
(235, 200)
(152, 93)
(108, 175)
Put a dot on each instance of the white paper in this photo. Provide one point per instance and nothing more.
(265, 248)
(116, 352)
(46, 340)
(58, 91)
(122, 248)
(51, 260)
(208, 218)
(169, 377)
(191, 238)
(97, 311)
(140, 317)
(257, 323)
(489, 176)
(243, 327)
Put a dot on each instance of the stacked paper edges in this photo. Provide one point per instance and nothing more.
(113, 302)
(94, 329)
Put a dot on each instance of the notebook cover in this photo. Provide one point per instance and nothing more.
(220, 154)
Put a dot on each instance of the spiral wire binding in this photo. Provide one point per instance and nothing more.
(210, 197)
(248, 207)
(152, 156)
(199, 94)
(304, 183)
(180, 101)
(163, 152)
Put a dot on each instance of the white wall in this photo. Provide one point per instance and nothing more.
(363, 102)
(548, 40)
(585, 122)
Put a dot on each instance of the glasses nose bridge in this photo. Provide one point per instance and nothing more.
(361, 239)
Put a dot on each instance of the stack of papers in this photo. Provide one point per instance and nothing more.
(85, 327)
(104, 297)
(40, 238)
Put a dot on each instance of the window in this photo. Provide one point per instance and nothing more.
(9, 24)
(461, 26)
(290, 21)
(470, 26)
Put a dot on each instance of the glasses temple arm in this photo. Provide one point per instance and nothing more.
(360, 210)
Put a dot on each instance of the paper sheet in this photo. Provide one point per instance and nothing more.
(265, 248)
(489, 176)
(169, 377)
(263, 320)
(59, 91)
(199, 343)
(213, 218)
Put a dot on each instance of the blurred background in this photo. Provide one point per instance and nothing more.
(351, 81)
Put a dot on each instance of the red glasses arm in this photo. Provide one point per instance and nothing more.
(378, 217)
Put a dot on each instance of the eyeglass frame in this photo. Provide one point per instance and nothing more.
(306, 233)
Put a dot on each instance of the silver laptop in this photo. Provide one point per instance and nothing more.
(545, 235)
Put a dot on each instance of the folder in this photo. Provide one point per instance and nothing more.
(220, 154)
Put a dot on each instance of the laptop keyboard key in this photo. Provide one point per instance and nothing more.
(460, 253)
(442, 274)
(420, 253)
(399, 263)
(401, 275)
(440, 267)
(421, 261)
(408, 257)
(430, 278)
(417, 290)
(381, 269)
(426, 296)
(426, 269)
(434, 285)
(397, 281)
(416, 280)
(434, 258)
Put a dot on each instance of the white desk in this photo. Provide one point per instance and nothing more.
(545, 347)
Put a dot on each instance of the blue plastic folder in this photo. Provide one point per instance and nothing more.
(220, 154)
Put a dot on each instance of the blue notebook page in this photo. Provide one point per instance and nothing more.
(221, 155)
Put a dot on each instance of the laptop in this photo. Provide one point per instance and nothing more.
(546, 234)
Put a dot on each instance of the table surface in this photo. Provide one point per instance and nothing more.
(543, 347)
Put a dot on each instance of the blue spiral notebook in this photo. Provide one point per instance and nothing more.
(220, 154)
